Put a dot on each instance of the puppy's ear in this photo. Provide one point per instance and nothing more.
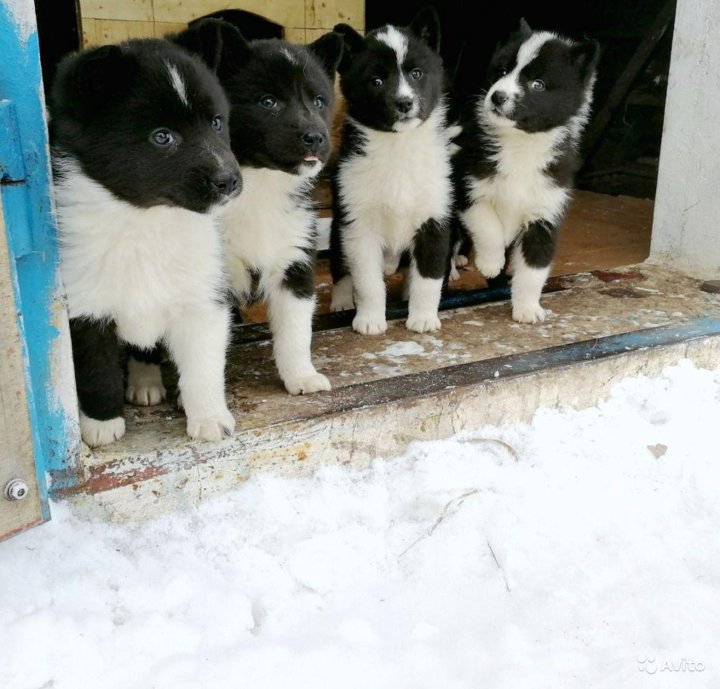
(328, 49)
(426, 26)
(585, 55)
(525, 30)
(220, 44)
(353, 43)
(94, 78)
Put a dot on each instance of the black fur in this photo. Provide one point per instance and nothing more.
(281, 136)
(366, 59)
(98, 373)
(431, 249)
(538, 244)
(107, 102)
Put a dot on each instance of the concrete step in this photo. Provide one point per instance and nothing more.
(482, 368)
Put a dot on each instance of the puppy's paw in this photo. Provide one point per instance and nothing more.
(304, 385)
(454, 275)
(145, 396)
(530, 312)
(213, 427)
(369, 325)
(342, 295)
(145, 387)
(490, 265)
(423, 322)
(460, 260)
(96, 433)
(391, 264)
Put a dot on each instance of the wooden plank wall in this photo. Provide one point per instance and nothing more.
(112, 21)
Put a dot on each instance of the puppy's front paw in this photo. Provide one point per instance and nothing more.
(490, 265)
(214, 427)
(145, 395)
(342, 295)
(460, 260)
(369, 325)
(454, 275)
(529, 313)
(145, 387)
(95, 433)
(423, 322)
(304, 385)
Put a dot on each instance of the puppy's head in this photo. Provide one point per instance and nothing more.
(281, 94)
(148, 121)
(393, 78)
(539, 80)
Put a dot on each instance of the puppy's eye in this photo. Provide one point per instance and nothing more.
(416, 74)
(377, 82)
(162, 137)
(320, 102)
(537, 85)
(217, 123)
(269, 102)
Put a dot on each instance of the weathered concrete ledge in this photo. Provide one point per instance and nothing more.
(374, 420)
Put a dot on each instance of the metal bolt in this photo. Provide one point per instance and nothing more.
(16, 489)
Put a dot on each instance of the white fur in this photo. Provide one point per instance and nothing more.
(177, 83)
(144, 387)
(401, 181)
(266, 230)
(527, 285)
(520, 192)
(396, 40)
(158, 274)
(96, 433)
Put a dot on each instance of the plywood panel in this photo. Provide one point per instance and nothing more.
(89, 32)
(17, 459)
(326, 13)
(112, 31)
(283, 12)
(129, 10)
(164, 28)
(295, 35)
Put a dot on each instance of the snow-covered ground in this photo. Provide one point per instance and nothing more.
(582, 550)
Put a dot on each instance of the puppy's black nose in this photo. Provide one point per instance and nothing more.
(498, 98)
(225, 183)
(404, 105)
(313, 141)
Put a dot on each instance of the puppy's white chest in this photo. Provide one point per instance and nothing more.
(138, 267)
(401, 181)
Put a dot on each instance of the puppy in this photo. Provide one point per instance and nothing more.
(518, 156)
(281, 99)
(392, 185)
(142, 159)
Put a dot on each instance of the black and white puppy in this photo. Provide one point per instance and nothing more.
(392, 185)
(142, 158)
(281, 98)
(518, 156)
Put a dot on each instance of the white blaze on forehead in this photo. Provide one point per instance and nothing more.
(396, 40)
(177, 83)
(530, 49)
(510, 83)
(288, 55)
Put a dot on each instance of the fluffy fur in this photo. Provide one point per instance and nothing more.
(142, 159)
(282, 98)
(518, 155)
(392, 185)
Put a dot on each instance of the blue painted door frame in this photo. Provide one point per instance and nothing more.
(29, 219)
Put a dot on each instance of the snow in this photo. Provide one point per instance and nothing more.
(578, 551)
